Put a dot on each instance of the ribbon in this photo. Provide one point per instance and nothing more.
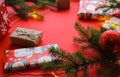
(25, 33)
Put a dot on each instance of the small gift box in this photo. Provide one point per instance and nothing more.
(87, 10)
(63, 4)
(113, 23)
(25, 37)
(27, 58)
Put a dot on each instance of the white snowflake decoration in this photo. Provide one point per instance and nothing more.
(5, 17)
(4, 30)
(2, 25)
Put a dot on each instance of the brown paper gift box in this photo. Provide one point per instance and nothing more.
(25, 37)
(63, 4)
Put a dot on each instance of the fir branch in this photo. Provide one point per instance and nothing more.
(81, 30)
(85, 47)
(51, 65)
(79, 40)
(91, 35)
(75, 62)
(48, 2)
(109, 70)
(20, 13)
(86, 74)
(114, 70)
(94, 60)
(79, 57)
(20, 7)
(110, 6)
(61, 54)
(70, 63)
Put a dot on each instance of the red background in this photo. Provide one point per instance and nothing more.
(57, 27)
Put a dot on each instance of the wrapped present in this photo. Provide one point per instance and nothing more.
(4, 19)
(56, 4)
(27, 58)
(63, 4)
(113, 23)
(25, 37)
(87, 10)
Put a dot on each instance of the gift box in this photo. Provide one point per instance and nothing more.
(113, 23)
(25, 37)
(87, 10)
(4, 19)
(27, 58)
(56, 4)
(63, 4)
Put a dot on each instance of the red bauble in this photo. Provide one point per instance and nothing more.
(110, 40)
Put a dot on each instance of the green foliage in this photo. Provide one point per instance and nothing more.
(75, 62)
(20, 7)
(88, 35)
(105, 58)
(70, 63)
(110, 5)
(109, 70)
(51, 65)
(48, 2)
(23, 9)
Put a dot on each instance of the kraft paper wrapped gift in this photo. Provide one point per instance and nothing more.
(63, 4)
(25, 37)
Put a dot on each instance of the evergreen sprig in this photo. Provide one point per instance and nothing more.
(109, 70)
(93, 40)
(72, 63)
(89, 35)
(22, 9)
(51, 65)
(110, 6)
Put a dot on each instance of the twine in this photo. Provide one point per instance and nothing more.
(31, 36)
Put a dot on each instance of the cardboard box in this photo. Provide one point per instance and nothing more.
(63, 4)
(25, 37)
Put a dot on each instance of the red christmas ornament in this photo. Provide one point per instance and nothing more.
(110, 40)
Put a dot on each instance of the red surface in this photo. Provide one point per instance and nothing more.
(58, 27)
